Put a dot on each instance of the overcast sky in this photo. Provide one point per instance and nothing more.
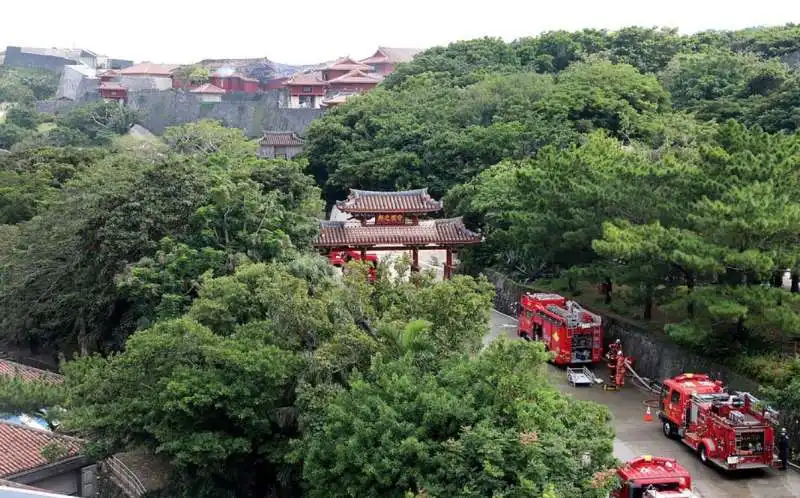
(309, 31)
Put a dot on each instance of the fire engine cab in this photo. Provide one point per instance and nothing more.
(571, 333)
(341, 258)
(732, 431)
(653, 477)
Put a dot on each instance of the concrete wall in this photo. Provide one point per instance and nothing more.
(655, 355)
(57, 106)
(67, 483)
(75, 83)
(142, 83)
(16, 58)
(253, 113)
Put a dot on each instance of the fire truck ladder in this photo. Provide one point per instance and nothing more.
(568, 314)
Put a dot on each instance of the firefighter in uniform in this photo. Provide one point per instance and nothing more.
(613, 348)
(620, 370)
(783, 449)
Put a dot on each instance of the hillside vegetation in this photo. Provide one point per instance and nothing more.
(177, 277)
(662, 166)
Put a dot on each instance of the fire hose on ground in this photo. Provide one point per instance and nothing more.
(645, 385)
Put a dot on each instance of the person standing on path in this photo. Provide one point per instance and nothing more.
(783, 449)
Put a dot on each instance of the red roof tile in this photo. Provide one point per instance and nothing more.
(148, 69)
(347, 64)
(447, 231)
(21, 448)
(356, 76)
(306, 79)
(390, 55)
(24, 372)
(281, 138)
(208, 88)
(110, 85)
(372, 202)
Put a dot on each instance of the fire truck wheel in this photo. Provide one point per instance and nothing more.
(703, 454)
(669, 431)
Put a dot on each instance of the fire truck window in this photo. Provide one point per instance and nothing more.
(675, 398)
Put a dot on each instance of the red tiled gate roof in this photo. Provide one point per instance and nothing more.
(24, 372)
(372, 202)
(441, 232)
(21, 448)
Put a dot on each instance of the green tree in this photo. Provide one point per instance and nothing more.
(11, 134)
(721, 84)
(99, 121)
(487, 427)
(22, 116)
(208, 137)
(229, 373)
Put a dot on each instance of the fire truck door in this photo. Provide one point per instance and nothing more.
(674, 409)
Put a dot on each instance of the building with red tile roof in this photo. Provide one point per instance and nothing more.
(147, 76)
(436, 233)
(355, 81)
(24, 372)
(342, 66)
(45, 460)
(209, 93)
(111, 91)
(390, 221)
(369, 202)
(306, 90)
(148, 69)
(231, 80)
(386, 59)
(21, 448)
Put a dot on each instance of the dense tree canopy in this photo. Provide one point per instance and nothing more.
(662, 163)
(179, 270)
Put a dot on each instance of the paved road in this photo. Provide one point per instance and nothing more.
(636, 437)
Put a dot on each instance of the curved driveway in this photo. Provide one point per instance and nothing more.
(636, 437)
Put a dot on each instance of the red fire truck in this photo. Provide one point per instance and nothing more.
(341, 258)
(573, 334)
(732, 431)
(653, 477)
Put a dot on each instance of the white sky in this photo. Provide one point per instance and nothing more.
(310, 31)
